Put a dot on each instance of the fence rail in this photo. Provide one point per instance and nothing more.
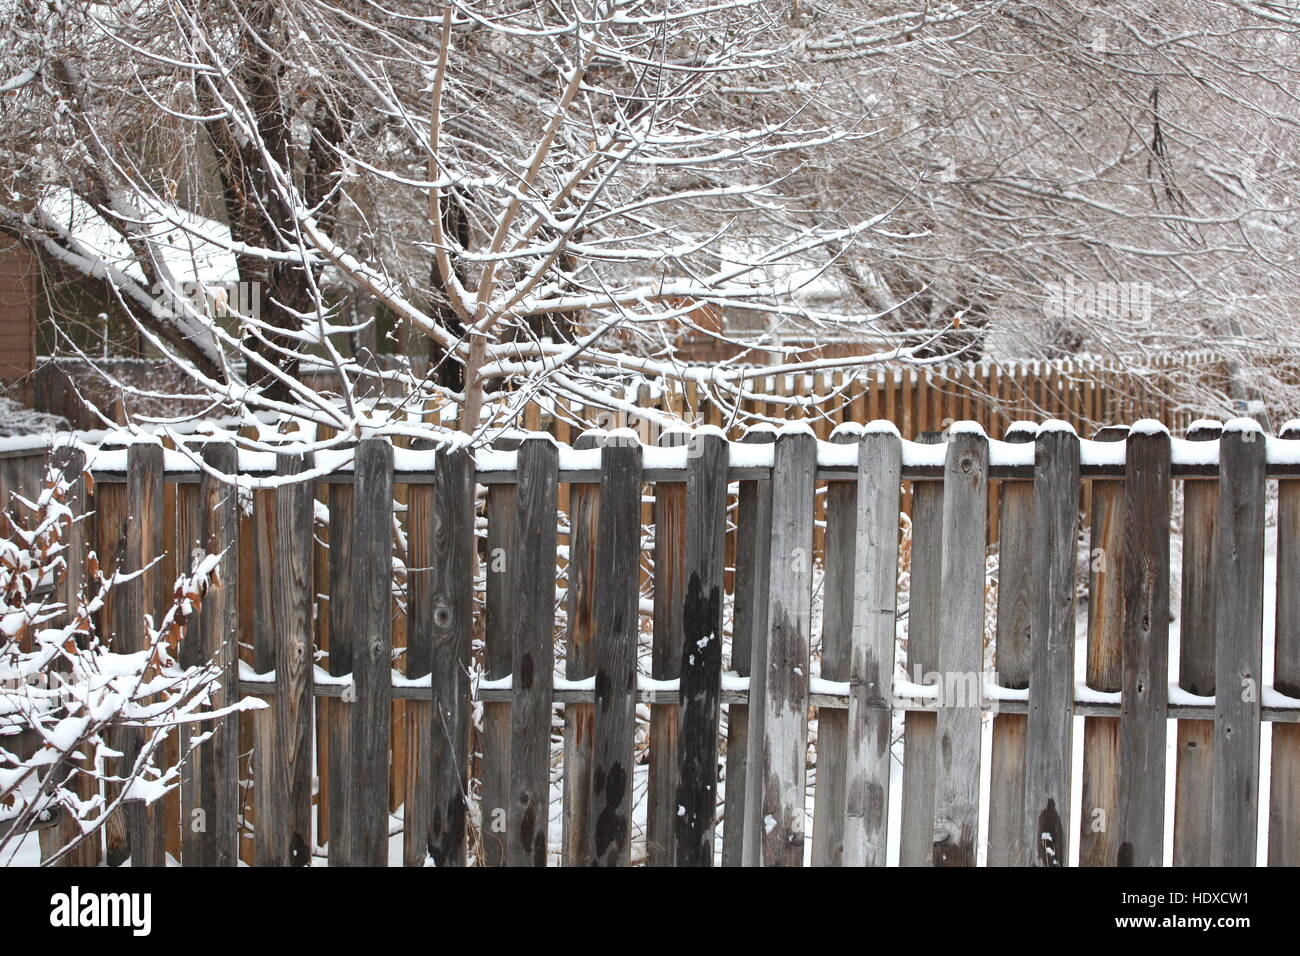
(711, 580)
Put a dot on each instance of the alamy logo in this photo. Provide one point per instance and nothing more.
(1073, 300)
(75, 909)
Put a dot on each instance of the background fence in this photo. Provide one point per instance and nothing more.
(370, 687)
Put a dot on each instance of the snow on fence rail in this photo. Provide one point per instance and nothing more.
(327, 666)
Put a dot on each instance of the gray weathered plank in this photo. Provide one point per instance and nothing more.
(1049, 743)
(1194, 786)
(701, 651)
(960, 651)
(445, 615)
(1238, 627)
(925, 597)
(371, 632)
(533, 580)
(1098, 845)
(665, 661)
(335, 715)
(741, 829)
(785, 692)
(871, 663)
(837, 644)
(136, 598)
(498, 650)
(580, 662)
(1145, 689)
(1284, 788)
(283, 638)
(1016, 576)
(618, 586)
(212, 784)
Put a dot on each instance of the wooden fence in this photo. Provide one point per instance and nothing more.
(370, 685)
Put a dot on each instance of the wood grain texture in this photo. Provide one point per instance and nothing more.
(336, 711)
(440, 578)
(1098, 845)
(1049, 743)
(284, 643)
(1145, 691)
(533, 622)
(924, 600)
(211, 784)
(617, 624)
(1238, 626)
(1016, 576)
(1284, 787)
(741, 824)
(136, 598)
(580, 663)
(665, 661)
(369, 719)
(701, 651)
(960, 651)
(1194, 777)
(785, 692)
(873, 620)
(841, 516)
(498, 651)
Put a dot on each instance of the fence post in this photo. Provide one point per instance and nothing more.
(924, 599)
(789, 611)
(1144, 703)
(618, 586)
(498, 648)
(580, 663)
(1016, 571)
(442, 614)
(369, 720)
(533, 579)
(741, 826)
(335, 711)
(665, 660)
(1238, 626)
(283, 638)
(701, 649)
(1049, 742)
(961, 647)
(1100, 797)
(212, 779)
(1193, 804)
(138, 597)
(840, 539)
(871, 658)
(1284, 799)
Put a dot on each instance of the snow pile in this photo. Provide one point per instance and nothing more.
(16, 419)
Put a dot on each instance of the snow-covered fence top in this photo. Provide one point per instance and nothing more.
(835, 459)
(718, 606)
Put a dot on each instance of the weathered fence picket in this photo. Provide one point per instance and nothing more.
(1049, 740)
(533, 594)
(1145, 689)
(871, 652)
(1194, 780)
(701, 650)
(1284, 780)
(1016, 575)
(618, 580)
(960, 650)
(1238, 639)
